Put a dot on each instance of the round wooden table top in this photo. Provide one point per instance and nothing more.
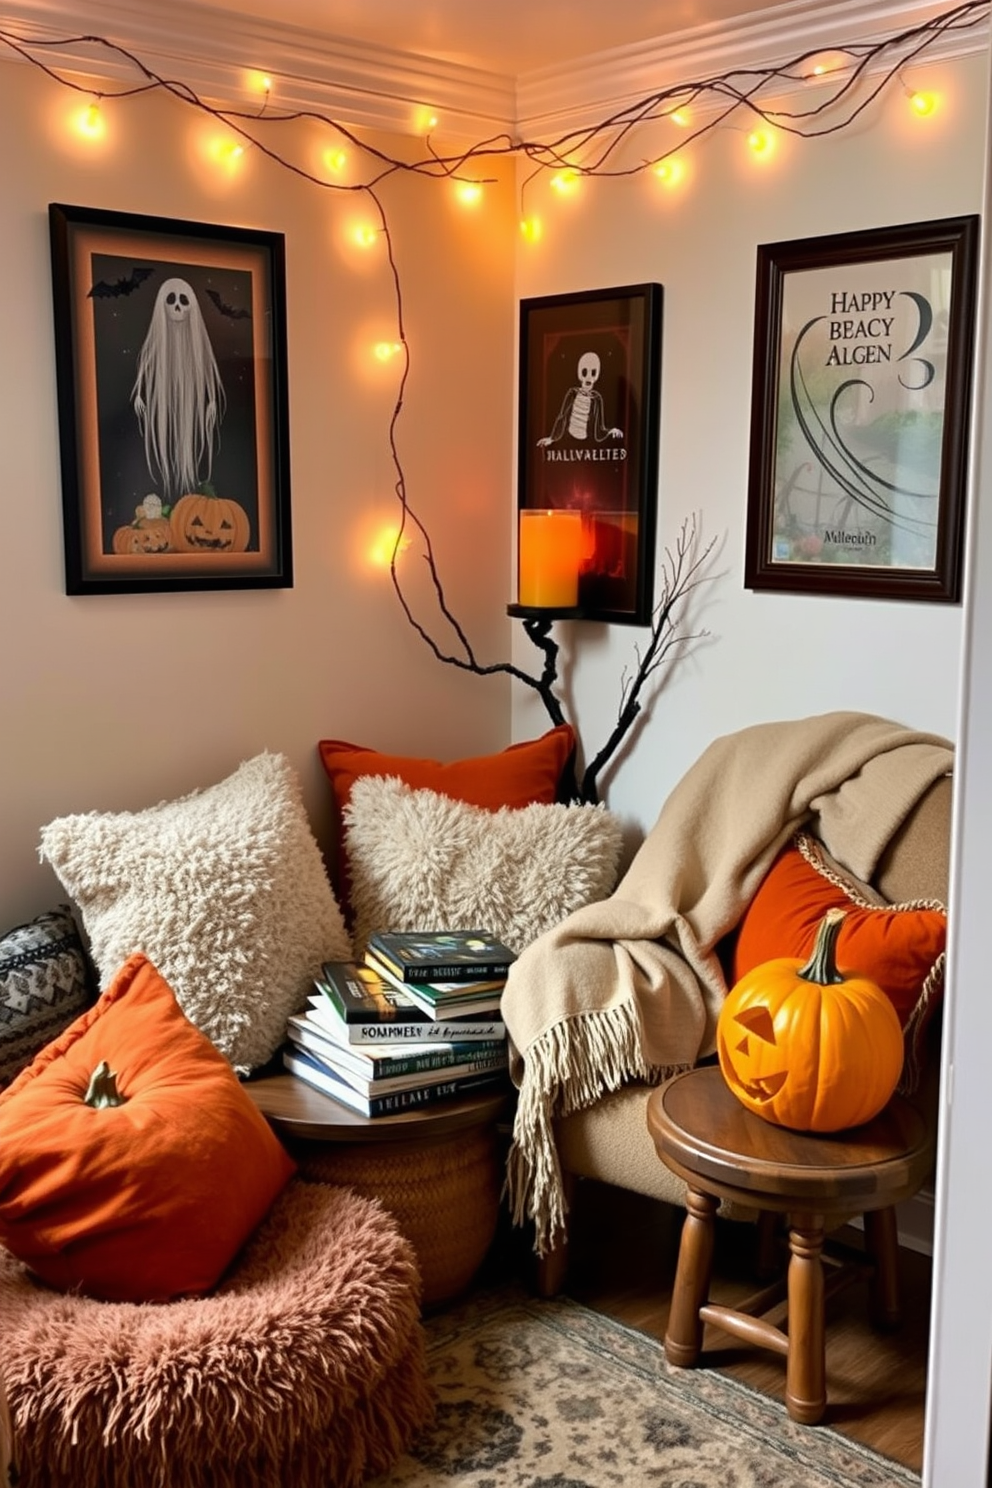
(299, 1109)
(702, 1132)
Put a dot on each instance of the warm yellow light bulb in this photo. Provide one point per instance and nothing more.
(469, 193)
(335, 160)
(680, 117)
(386, 350)
(565, 181)
(364, 235)
(671, 171)
(386, 546)
(425, 119)
(90, 123)
(531, 229)
(823, 64)
(760, 141)
(226, 152)
(260, 82)
(923, 103)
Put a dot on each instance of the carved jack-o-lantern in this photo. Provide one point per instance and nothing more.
(808, 1047)
(204, 523)
(144, 535)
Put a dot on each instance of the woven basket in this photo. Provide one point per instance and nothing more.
(443, 1193)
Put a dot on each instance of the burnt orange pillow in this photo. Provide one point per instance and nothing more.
(525, 774)
(900, 947)
(145, 1200)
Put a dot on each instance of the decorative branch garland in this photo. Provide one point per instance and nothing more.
(587, 151)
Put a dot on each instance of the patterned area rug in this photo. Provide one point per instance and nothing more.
(534, 1394)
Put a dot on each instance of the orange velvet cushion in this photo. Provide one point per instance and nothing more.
(146, 1200)
(525, 774)
(899, 947)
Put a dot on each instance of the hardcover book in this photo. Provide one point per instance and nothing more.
(409, 1063)
(451, 999)
(389, 1034)
(314, 1073)
(442, 956)
(361, 995)
(437, 1002)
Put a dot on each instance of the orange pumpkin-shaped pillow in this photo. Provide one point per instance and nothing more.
(144, 1199)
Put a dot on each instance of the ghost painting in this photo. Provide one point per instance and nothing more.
(178, 395)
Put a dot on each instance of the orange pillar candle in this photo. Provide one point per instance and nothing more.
(549, 553)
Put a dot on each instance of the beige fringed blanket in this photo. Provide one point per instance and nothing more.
(630, 987)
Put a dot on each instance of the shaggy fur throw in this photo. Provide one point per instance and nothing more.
(225, 892)
(422, 861)
(304, 1368)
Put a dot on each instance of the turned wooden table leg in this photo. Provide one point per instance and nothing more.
(805, 1380)
(684, 1335)
(882, 1245)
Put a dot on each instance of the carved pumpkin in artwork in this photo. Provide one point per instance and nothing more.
(144, 535)
(807, 1046)
(205, 523)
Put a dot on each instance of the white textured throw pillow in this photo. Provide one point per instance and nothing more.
(422, 861)
(224, 890)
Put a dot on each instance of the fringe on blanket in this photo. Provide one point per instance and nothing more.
(582, 1059)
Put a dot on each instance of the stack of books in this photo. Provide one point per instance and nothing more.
(417, 1023)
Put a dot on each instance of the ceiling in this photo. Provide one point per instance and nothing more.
(510, 37)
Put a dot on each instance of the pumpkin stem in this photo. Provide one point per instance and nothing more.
(102, 1090)
(822, 964)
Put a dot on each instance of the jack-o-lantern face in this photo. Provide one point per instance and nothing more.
(144, 535)
(209, 524)
(809, 1048)
(753, 1050)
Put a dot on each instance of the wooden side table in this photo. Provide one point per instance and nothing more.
(703, 1133)
(436, 1168)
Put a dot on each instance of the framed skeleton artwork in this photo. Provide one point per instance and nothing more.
(590, 372)
(170, 347)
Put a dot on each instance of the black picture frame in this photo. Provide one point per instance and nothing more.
(601, 462)
(170, 352)
(860, 414)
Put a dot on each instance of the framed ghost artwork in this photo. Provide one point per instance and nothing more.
(589, 407)
(170, 349)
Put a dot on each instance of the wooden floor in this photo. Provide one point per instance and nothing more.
(624, 1250)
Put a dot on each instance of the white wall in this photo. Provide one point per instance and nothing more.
(960, 1364)
(120, 701)
(768, 655)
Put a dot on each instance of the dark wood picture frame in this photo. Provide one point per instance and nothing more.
(860, 415)
(170, 349)
(589, 415)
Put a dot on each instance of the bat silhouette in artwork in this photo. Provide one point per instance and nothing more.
(104, 290)
(231, 311)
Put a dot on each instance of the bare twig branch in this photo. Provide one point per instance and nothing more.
(682, 574)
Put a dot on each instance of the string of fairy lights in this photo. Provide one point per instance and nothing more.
(814, 94)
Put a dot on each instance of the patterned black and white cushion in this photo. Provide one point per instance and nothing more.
(45, 982)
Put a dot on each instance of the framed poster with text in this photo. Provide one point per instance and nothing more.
(863, 352)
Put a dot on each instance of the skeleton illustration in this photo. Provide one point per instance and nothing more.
(582, 407)
(178, 395)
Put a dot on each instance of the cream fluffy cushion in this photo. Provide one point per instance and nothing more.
(422, 861)
(224, 890)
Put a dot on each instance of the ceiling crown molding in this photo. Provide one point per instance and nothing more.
(554, 100)
(210, 51)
